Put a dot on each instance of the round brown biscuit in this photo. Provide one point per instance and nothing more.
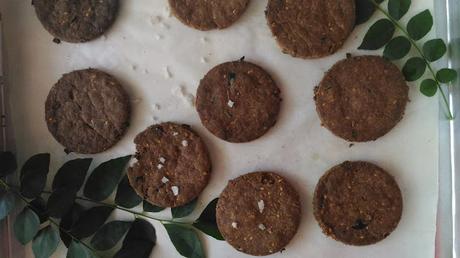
(361, 98)
(311, 28)
(238, 101)
(258, 213)
(357, 203)
(87, 111)
(173, 165)
(76, 21)
(208, 14)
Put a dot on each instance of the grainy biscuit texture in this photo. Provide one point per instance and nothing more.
(173, 165)
(208, 14)
(87, 111)
(361, 98)
(357, 203)
(258, 213)
(238, 101)
(311, 28)
(76, 21)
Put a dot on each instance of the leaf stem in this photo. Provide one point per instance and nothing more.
(12, 189)
(71, 236)
(395, 22)
(135, 213)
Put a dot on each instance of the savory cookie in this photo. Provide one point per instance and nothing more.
(311, 28)
(173, 165)
(361, 98)
(208, 14)
(258, 213)
(357, 203)
(87, 111)
(76, 21)
(238, 101)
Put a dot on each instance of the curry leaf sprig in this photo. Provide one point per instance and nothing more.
(382, 35)
(87, 232)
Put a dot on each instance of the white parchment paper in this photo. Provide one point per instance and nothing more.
(160, 62)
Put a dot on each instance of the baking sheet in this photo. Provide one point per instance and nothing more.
(160, 62)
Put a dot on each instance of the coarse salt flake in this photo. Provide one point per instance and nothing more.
(175, 133)
(185, 143)
(156, 107)
(234, 225)
(137, 100)
(230, 103)
(261, 205)
(168, 73)
(262, 227)
(164, 25)
(162, 160)
(175, 190)
(181, 92)
(164, 180)
(167, 11)
(160, 166)
(155, 20)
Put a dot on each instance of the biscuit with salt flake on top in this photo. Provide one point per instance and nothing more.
(357, 203)
(258, 213)
(238, 101)
(173, 165)
(311, 28)
(87, 111)
(362, 98)
(76, 21)
(208, 14)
